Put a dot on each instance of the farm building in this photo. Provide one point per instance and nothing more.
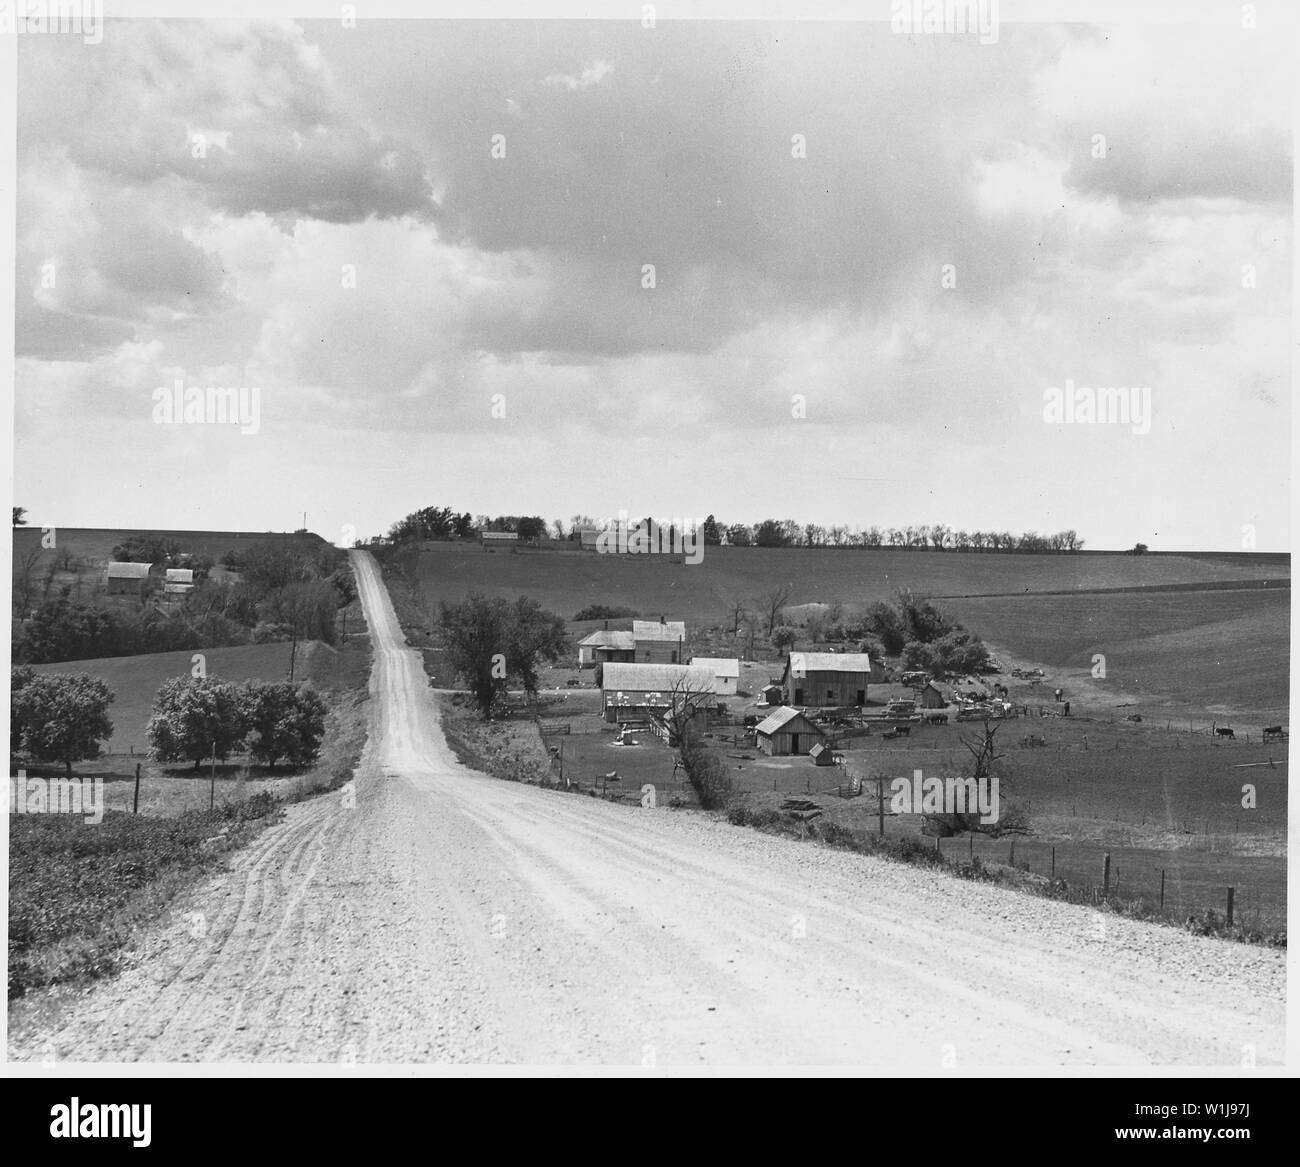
(178, 581)
(772, 695)
(634, 691)
(932, 697)
(587, 537)
(822, 755)
(128, 579)
(498, 538)
(604, 646)
(787, 731)
(660, 641)
(829, 678)
(726, 672)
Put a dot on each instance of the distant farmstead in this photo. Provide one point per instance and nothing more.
(498, 538)
(829, 678)
(128, 579)
(787, 731)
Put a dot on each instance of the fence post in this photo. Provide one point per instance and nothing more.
(135, 806)
(1230, 891)
(880, 804)
(1105, 877)
(1162, 889)
(1053, 864)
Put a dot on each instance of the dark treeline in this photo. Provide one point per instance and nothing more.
(445, 523)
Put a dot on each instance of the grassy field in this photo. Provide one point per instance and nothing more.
(657, 585)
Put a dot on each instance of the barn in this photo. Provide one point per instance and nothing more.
(829, 678)
(659, 641)
(787, 731)
(632, 692)
(604, 646)
(726, 672)
(128, 579)
(932, 697)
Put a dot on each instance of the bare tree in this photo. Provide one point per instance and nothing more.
(773, 603)
(686, 698)
(736, 613)
(24, 570)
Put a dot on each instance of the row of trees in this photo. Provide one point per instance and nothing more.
(202, 717)
(64, 718)
(445, 523)
(788, 533)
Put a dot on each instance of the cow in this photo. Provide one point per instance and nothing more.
(1224, 731)
(937, 718)
(1274, 733)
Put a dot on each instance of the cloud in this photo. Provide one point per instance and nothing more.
(592, 74)
(246, 114)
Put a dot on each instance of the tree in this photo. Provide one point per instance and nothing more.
(783, 638)
(195, 718)
(474, 636)
(63, 718)
(488, 640)
(1139, 549)
(24, 583)
(20, 516)
(531, 527)
(283, 720)
(532, 635)
(557, 526)
(19, 676)
(147, 549)
(771, 533)
(736, 613)
(772, 604)
(712, 532)
(739, 535)
(884, 621)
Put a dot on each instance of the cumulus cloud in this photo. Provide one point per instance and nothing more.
(593, 74)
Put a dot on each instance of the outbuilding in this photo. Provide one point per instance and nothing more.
(787, 731)
(726, 672)
(932, 697)
(636, 691)
(128, 579)
(829, 678)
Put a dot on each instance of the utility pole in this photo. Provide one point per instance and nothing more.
(212, 790)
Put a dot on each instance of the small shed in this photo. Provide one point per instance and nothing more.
(128, 579)
(787, 731)
(932, 697)
(822, 755)
(772, 695)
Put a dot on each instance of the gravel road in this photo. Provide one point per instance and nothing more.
(442, 916)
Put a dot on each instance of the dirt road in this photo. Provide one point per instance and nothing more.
(440, 915)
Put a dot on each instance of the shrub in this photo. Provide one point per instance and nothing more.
(605, 612)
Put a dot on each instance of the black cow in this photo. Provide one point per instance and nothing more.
(1274, 733)
(1224, 731)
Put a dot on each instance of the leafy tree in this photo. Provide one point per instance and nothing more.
(783, 638)
(739, 535)
(62, 718)
(531, 527)
(193, 717)
(147, 549)
(19, 676)
(1139, 549)
(712, 532)
(283, 720)
(532, 635)
(886, 623)
(475, 636)
(60, 630)
(771, 533)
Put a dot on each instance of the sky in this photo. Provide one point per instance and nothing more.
(811, 270)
